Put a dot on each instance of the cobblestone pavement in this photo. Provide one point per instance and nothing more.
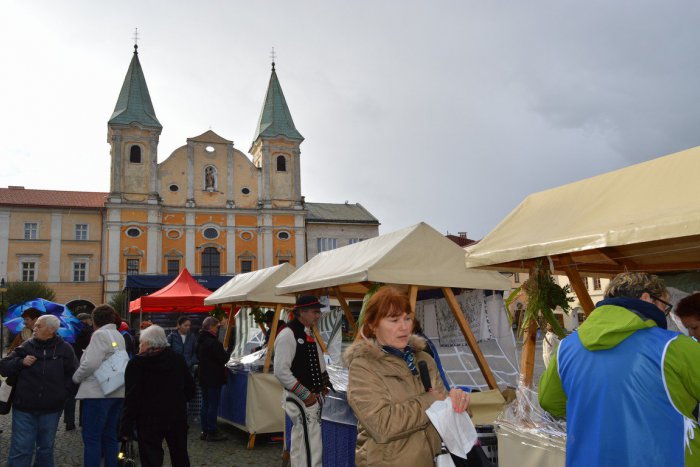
(232, 452)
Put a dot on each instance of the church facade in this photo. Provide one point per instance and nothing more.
(208, 207)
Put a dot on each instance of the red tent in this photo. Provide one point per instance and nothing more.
(183, 295)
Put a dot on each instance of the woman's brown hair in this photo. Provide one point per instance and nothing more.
(386, 302)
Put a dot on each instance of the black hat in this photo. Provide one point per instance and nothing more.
(307, 302)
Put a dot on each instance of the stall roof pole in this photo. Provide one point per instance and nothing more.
(578, 285)
(527, 360)
(273, 336)
(229, 325)
(346, 309)
(319, 339)
(413, 297)
(471, 340)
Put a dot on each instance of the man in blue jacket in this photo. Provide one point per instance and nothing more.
(41, 370)
(626, 385)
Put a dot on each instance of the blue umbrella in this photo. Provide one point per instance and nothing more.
(70, 325)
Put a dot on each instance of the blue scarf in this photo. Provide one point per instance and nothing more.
(644, 310)
(406, 354)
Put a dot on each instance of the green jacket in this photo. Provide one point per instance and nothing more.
(606, 327)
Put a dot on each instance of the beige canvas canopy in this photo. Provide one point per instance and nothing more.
(257, 286)
(645, 217)
(418, 257)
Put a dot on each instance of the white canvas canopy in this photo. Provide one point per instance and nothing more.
(257, 286)
(645, 217)
(417, 255)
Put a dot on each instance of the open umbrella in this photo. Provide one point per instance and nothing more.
(69, 327)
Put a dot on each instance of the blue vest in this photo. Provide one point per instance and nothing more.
(618, 410)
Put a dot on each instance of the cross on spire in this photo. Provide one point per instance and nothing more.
(136, 40)
(273, 55)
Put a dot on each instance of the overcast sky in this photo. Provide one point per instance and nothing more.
(445, 112)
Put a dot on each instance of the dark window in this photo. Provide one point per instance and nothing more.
(135, 155)
(246, 266)
(516, 277)
(133, 232)
(210, 233)
(174, 187)
(245, 191)
(132, 267)
(281, 164)
(282, 261)
(173, 267)
(596, 283)
(210, 262)
(28, 271)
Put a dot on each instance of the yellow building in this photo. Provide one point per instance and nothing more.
(208, 207)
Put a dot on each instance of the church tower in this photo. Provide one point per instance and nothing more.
(275, 151)
(133, 133)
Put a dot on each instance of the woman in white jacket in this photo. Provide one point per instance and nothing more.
(101, 411)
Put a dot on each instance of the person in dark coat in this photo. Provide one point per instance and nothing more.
(82, 340)
(158, 386)
(182, 341)
(41, 368)
(212, 375)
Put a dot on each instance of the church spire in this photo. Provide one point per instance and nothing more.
(275, 118)
(134, 103)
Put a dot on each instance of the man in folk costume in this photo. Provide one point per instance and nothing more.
(300, 368)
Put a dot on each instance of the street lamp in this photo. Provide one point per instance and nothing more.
(3, 289)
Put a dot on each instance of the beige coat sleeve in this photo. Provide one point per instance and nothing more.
(375, 407)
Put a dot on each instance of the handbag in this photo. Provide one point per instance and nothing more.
(110, 374)
(7, 394)
(126, 456)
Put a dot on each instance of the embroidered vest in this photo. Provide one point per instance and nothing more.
(305, 365)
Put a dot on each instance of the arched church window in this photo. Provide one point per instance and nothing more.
(135, 154)
(210, 262)
(281, 164)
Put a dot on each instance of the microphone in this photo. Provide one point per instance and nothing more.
(424, 375)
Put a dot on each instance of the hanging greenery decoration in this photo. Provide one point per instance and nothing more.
(258, 314)
(543, 297)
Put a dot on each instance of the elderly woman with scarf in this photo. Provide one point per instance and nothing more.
(385, 390)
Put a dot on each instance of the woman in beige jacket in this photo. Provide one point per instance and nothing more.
(385, 389)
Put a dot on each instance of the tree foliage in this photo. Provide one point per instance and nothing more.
(20, 292)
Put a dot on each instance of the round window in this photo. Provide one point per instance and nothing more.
(245, 191)
(133, 232)
(174, 187)
(247, 236)
(209, 149)
(210, 233)
(174, 234)
(283, 235)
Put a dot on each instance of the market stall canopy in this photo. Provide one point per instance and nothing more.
(256, 286)
(183, 295)
(417, 255)
(645, 217)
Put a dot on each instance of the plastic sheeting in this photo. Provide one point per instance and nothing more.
(489, 322)
(528, 436)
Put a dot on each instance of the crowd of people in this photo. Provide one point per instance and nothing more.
(49, 376)
(621, 372)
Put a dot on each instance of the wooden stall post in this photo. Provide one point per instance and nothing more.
(469, 336)
(413, 297)
(527, 360)
(577, 284)
(273, 336)
(319, 339)
(346, 309)
(229, 324)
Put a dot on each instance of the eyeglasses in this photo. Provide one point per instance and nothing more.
(667, 306)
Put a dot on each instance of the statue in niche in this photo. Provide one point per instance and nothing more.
(210, 178)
